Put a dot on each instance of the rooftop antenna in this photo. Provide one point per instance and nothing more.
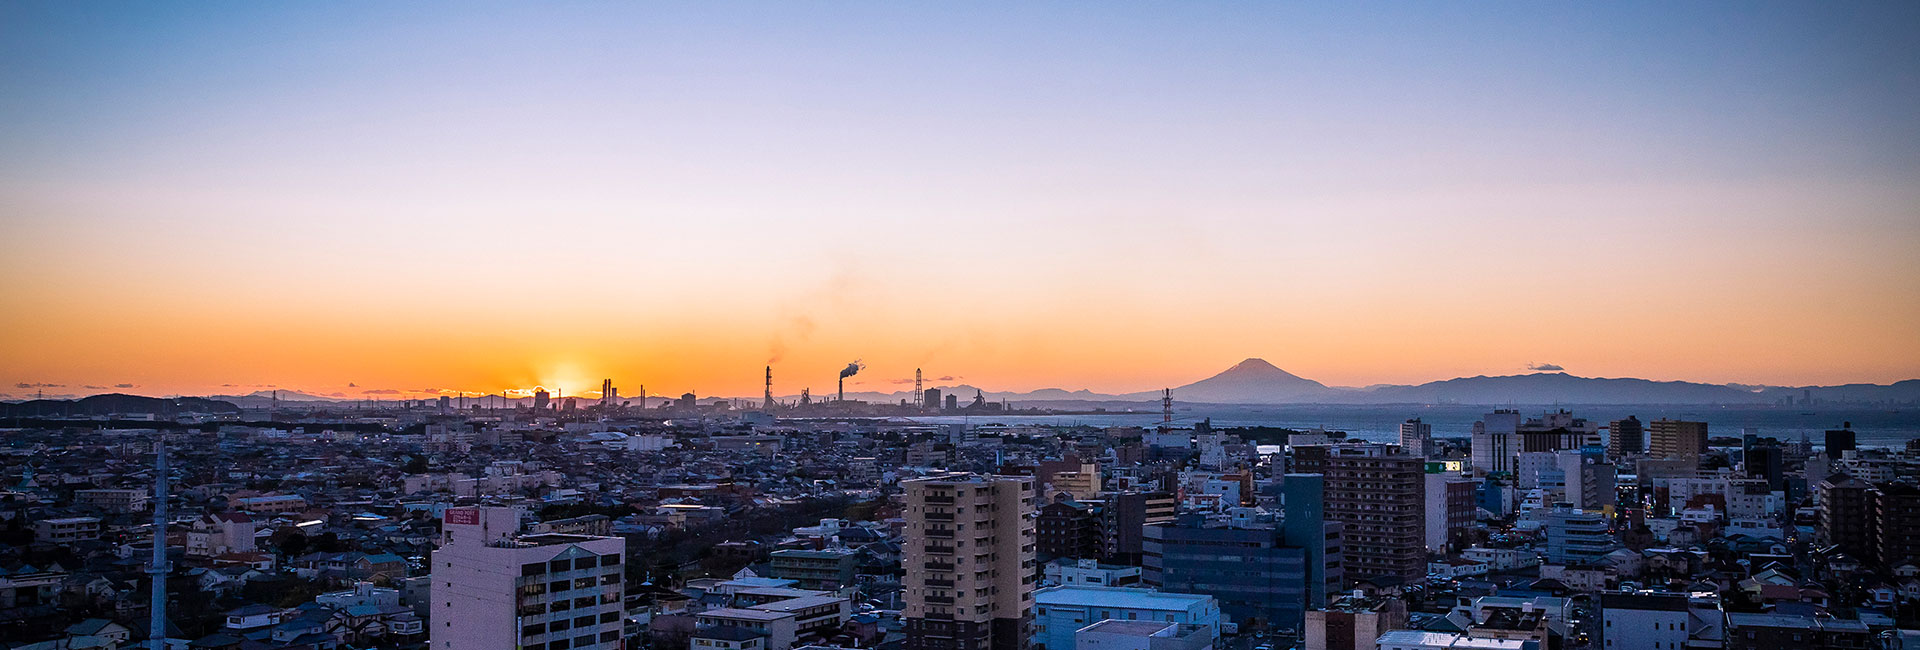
(157, 570)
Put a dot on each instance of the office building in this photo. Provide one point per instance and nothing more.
(1897, 520)
(1262, 572)
(1847, 516)
(969, 558)
(1676, 439)
(1061, 612)
(1416, 438)
(1124, 516)
(1840, 441)
(1068, 529)
(1380, 499)
(1765, 460)
(1645, 620)
(1354, 623)
(1626, 437)
(1557, 430)
(1304, 499)
(1774, 631)
(66, 530)
(1588, 478)
(112, 501)
(1450, 506)
(1492, 440)
(494, 588)
(1257, 578)
(1576, 537)
(822, 569)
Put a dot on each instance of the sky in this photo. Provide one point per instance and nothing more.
(376, 199)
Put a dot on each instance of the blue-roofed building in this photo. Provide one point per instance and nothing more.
(1059, 612)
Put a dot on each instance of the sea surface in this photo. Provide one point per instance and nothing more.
(1874, 427)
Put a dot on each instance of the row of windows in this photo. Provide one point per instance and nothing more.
(558, 586)
(555, 566)
(531, 609)
(563, 624)
(576, 642)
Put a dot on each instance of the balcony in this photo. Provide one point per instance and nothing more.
(934, 498)
(939, 516)
(940, 533)
(939, 549)
(939, 600)
(937, 566)
(936, 582)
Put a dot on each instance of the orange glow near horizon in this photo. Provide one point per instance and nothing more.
(397, 201)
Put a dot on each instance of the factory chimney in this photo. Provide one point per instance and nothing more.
(851, 370)
(767, 404)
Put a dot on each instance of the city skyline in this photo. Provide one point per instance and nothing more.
(401, 198)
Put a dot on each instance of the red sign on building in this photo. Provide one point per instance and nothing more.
(463, 516)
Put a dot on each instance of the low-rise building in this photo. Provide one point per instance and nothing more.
(1060, 612)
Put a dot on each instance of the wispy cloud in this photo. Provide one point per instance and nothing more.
(1545, 367)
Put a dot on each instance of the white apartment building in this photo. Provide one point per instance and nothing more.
(496, 589)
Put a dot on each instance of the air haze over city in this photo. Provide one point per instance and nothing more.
(713, 326)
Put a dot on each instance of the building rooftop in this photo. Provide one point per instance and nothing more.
(803, 602)
(745, 614)
(1129, 628)
(1452, 641)
(1127, 597)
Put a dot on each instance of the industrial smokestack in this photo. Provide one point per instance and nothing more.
(768, 404)
(851, 370)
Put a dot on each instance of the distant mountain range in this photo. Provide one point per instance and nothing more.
(115, 403)
(1253, 381)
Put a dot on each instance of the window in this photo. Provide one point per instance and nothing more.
(610, 560)
(533, 569)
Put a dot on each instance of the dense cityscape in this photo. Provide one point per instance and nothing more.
(671, 524)
(765, 325)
